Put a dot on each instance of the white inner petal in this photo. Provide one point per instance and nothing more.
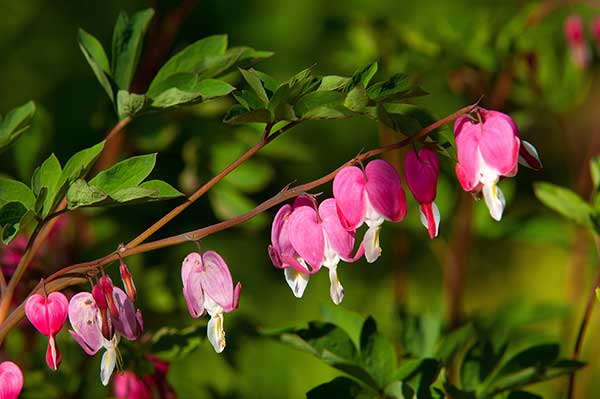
(372, 217)
(336, 291)
(494, 199)
(296, 280)
(215, 332)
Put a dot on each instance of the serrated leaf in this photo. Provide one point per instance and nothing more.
(80, 193)
(97, 59)
(128, 37)
(397, 88)
(191, 59)
(237, 115)
(125, 174)
(171, 344)
(129, 104)
(378, 354)
(15, 123)
(251, 77)
(81, 162)
(565, 202)
(15, 191)
(341, 387)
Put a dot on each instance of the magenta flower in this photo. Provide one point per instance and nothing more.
(596, 32)
(282, 253)
(48, 314)
(93, 328)
(422, 170)
(319, 239)
(486, 150)
(11, 380)
(208, 287)
(574, 33)
(371, 197)
(127, 385)
(127, 281)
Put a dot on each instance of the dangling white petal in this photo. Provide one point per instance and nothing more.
(494, 199)
(296, 280)
(336, 291)
(531, 152)
(107, 365)
(371, 244)
(215, 332)
(436, 218)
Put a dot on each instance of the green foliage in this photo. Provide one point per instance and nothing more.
(566, 202)
(121, 184)
(171, 344)
(15, 123)
(306, 96)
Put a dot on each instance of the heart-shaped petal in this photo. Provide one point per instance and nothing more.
(47, 314)
(384, 189)
(11, 380)
(340, 239)
(86, 322)
(306, 236)
(216, 280)
(349, 193)
(421, 170)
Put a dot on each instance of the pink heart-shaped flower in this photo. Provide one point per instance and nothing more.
(11, 380)
(47, 314)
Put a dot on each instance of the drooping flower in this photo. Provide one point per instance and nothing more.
(371, 197)
(319, 239)
(574, 33)
(208, 287)
(422, 170)
(129, 386)
(94, 328)
(486, 150)
(282, 253)
(11, 380)
(48, 314)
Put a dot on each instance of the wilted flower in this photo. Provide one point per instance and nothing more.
(371, 197)
(11, 380)
(487, 150)
(207, 286)
(94, 328)
(422, 170)
(48, 314)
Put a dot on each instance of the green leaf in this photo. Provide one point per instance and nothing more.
(227, 202)
(132, 194)
(15, 123)
(81, 162)
(15, 191)
(341, 387)
(595, 171)
(538, 356)
(334, 83)
(317, 99)
(420, 333)
(191, 59)
(47, 176)
(255, 83)
(357, 98)
(395, 89)
(565, 202)
(171, 344)
(378, 354)
(80, 193)
(11, 214)
(125, 174)
(252, 176)
(187, 88)
(128, 37)
(164, 190)
(523, 395)
(237, 115)
(349, 321)
(129, 104)
(96, 57)
(419, 374)
(454, 342)
(399, 390)
(363, 76)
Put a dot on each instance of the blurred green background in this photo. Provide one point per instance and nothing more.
(511, 52)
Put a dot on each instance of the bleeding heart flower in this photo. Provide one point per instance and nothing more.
(208, 286)
(48, 314)
(127, 281)
(422, 170)
(574, 33)
(282, 253)
(371, 197)
(11, 380)
(487, 150)
(319, 238)
(129, 386)
(89, 325)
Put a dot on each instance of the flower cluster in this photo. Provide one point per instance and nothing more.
(306, 236)
(99, 319)
(576, 39)
(208, 288)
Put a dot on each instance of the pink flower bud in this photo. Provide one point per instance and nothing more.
(596, 30)
(130, 386)
(422, 172)
(127, 281)
(48, 316)
(107, 286)
(11, 380)
(574, 30)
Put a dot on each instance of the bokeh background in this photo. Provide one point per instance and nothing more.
(514, 53)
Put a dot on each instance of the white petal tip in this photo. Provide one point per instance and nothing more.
(296, 281)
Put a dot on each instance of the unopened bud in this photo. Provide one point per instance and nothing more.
(127, 281)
